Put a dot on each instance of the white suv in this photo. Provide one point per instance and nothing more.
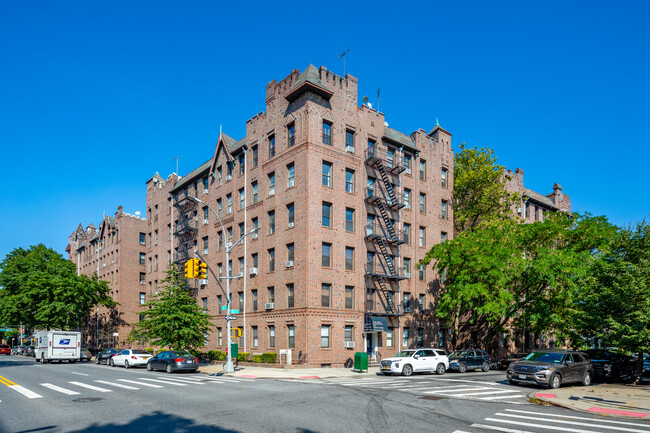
(416, 360)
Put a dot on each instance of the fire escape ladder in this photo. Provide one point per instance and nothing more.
(388, 222)
(389, 303)
(388, 186)
(383, 249)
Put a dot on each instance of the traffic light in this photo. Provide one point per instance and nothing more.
(197, 268)
(236, 332)
(189, 268)
(203, 271)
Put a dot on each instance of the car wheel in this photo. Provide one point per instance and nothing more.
(407, 370)
(126, 364)
(169, 369)
(111, 363)
(97, 361)
(554, 382)
(586, 380)
(149, 368)
(513, 382)
(462, 367)
(486, 366)
(440, 369)
(43, 360)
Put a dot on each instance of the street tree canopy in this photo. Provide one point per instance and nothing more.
(41, 289)
(172, 318)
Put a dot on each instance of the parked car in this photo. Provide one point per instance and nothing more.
(85, 354)
(106, 354)
(5, 350)
(551, 368)
(645, 375)
(29, 351)
(17, 350)
(416, 360)
(130, 358)
(611, 365)
(469, 359)
(173, 360)
(505, 362)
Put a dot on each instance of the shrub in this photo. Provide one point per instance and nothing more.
(257, 358)
(243, 356)
(215, 355)
(270, 357)
(150, 350)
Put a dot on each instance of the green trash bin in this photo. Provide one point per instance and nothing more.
(234, 350)
(361, 361)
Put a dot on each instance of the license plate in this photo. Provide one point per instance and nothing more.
(145, 357)
(384, 368)
(522, 376)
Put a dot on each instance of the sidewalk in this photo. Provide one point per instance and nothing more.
(623, 401)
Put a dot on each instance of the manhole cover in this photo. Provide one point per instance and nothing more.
(86, 399)
(431, 397)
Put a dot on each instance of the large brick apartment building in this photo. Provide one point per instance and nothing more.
(345, 206)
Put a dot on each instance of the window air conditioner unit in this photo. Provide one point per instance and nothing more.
(205, 251)
(290, 264)
(229, 177)
(203, 282)
(252, 271)
(407, 274)
(291, 224)
(520, 210)
(269, 305)
(408, 171)
(349, 344)
(349, 149)
(142, 282)
(205, 221)
(255, 235)
(205, 191)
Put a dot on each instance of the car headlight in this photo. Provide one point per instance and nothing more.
(396, 364)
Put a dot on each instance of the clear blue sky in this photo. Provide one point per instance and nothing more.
(95, 97)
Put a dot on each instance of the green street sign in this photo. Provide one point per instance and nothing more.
(5, 329)
(224, 307)
(234, 311)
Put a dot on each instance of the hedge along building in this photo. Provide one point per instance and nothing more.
(345, 207)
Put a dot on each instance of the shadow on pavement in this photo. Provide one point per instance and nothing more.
(12, 363)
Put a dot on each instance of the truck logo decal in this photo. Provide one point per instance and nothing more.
(64, 341)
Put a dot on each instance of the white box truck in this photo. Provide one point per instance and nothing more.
(57, 346)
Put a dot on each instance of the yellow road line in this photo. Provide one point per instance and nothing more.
(7, 382)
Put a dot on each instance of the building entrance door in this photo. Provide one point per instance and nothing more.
(372, 342)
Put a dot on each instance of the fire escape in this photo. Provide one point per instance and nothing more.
(382, 236)
(186, 229)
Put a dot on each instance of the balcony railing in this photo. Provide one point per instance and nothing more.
(394, 164)
(373, 270)
(375, 230)
(373, 194)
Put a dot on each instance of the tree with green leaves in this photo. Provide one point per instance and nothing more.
(480, 194)
(614, 301)
(41, 289)
(172, 318)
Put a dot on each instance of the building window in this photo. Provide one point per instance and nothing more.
(271, 184)
(143, 276)
(241, 266)
(206, 183)
(290, 175)
(241, 300)
(327, 174)
(219, 175)
(370, 262)
(143, 239)
(370, 299)
(271, 146)
(242, 163)
(291, 134)
(390, 158)
(255, 223)
(423, 169)
(407, 198)
(255, 260)
(423, 202)
(389, 337)
(254, 299)
(271, 215)
(420, 339)
(219, 337)
(349, 258)
(326, 295)
(405, 337)
(290, 295)
(422, 237)
(229, 229)
(219, 304)
(291, 331)
(255, 156)
(142, 258)
(326, 255)
(326, 219)
(241, 230)
(271, 260)
(443, 177)
(325, 336)
(290, 254)
(421, 303)
(407, 267)
(204, 302)
(219, 207)
(205, 245)
(349, 219)
(255, 337)
(536, 213)
(290, 215)
(349, 140)
(421, 273)
(349, 297)
(406, 302)
(407, 234)
(443, 210)
(271, 336)
(443, 236)
(142, 298)
(327, 132)
(255, 192)
(242, 199)
(349, 181)
(229, 200)
(407, 162)
(349, 334)
(270, 295)
(220, 240)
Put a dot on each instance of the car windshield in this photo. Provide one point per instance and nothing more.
(405, 354)
(181, 353)
(458, 354)
(550, 357)
(140, 352)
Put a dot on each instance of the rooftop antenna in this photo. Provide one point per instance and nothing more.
(176, 158)
(377, 98)
(343, 55)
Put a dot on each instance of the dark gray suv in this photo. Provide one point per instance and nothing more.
(551, 368)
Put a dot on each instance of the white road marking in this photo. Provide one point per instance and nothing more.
(501, 429)
(576, 423)
(572, 417)
(59, 389)
(94, 388)
(467, 381)
(162, 381)
(546, 427)
(488, 392)
(184, 381)
(498, 397)
(151, 385)
(80, 374)
(444, 391)
(119, 385)
(24, 391)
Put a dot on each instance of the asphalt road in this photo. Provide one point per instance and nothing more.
(91, 398)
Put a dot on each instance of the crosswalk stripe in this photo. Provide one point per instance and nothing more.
(151, 385)
(501, 429)
(118, 385)
(499, 397)
(166, 382)
(59, 389)
(546, 427)
(572, 417)
(489, 392)
(94, 388)
(24, 391)
(576, 423)
(445, 391)
(184, 381)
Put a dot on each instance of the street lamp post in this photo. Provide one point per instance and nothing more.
(228, 277)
